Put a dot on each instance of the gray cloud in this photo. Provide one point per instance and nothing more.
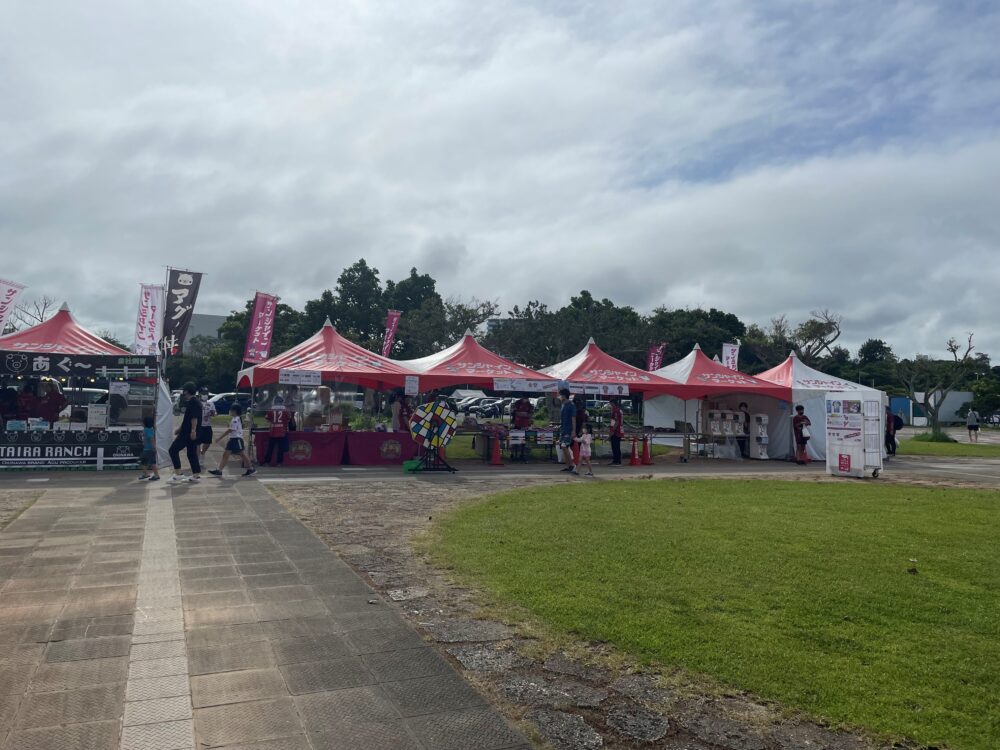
(766, 160)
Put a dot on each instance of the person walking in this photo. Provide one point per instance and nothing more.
(890, 432)
(187, 437)
(148, 461)
(972, 420)
(616, 429)
(205, 431)
(586, 440)
(235, 445)
(567, 429)
(800, 427)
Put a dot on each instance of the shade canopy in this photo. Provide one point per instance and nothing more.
(708, 378)
(61, 347)
(60, 334)
(593, 365)
(467, 362)
(335, 357)
(795, 374)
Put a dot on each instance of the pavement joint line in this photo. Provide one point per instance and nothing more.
(157, 655)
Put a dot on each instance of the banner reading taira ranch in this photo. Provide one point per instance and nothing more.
(70, 449)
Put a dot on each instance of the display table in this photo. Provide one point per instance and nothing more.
(379, 448)
(306, 448)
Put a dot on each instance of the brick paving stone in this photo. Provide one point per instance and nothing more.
(246, 722)
(311, 649)
(331, 674)
(139, 670)
(230, 657)
(157, 710)
(170, 735)
(220, 635)
(157, 687)
(162, 650)
(424, 695)
(71, 706)
(483, 729)
(407, 664)
(319, 711)
(101, 735)
(88, 648)
(236, 687)
(78, 674)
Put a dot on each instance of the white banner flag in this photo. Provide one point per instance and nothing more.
(149, 320)
(9, 292)
(731, 355)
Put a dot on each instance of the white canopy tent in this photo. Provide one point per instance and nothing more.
(809, 388)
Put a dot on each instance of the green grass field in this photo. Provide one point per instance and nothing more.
(798, 592)
(911, 447)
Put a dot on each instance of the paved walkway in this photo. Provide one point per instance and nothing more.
(148, 616)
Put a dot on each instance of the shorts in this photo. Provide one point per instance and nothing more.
(973, 427)
(565, 441)
(234, 445)
(204, 435)
(148, 458)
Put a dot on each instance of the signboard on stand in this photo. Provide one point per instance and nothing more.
(97, 416)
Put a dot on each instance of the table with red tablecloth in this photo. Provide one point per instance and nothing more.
(307, 448)
(379, 448)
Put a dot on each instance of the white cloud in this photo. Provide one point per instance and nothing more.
(761, 159)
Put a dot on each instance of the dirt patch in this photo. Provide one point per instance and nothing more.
(13, 503)
(563, 694)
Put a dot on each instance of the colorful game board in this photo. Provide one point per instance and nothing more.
(433, 425)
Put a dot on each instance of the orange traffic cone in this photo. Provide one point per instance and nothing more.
(647, 454)
(634, 461)
(495, 458)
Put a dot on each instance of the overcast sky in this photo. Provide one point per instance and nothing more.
(764, 158)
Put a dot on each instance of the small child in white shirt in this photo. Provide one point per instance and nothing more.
(235, 445)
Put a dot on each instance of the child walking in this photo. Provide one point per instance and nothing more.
(235, 445)
(148, 462)
(586, 440)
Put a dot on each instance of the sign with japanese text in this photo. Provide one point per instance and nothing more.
(181, 293)
(391, 324)
(37, 359)
(412, 385)
(258, 346)
(731, 355)
(300, 377)
(9, 292)
(654, 356)
(149, 320)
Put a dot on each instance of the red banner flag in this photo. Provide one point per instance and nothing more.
(258, 347)
(391, 324)
(654, 357)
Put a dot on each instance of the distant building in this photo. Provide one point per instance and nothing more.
(205, 325)
(492, 324)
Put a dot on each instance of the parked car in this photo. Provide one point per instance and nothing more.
(487, 407)
(223, 402)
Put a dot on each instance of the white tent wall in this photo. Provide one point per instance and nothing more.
(814, 402)
(664, 411)
(164, 423)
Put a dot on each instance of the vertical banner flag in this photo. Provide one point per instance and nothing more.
(9, 292)
(654, 357)
(391, 323)
(258, 347)
(149, 320)
(730, 355)
(182, 291)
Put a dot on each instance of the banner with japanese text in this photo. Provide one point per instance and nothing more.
(391, 324)
(731, 356)
(261, 330)
(654, 357)
(9, 292)
(182, 292)
(149, 320)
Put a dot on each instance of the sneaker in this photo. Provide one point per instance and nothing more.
(589, 474)
(566, 468)
(249, 472)
(194, 478)
(178, 478)
(143, 478)
(574, 472)
(215, 472)
(154, 478)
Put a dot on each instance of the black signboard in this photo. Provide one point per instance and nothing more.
(69, 449)
(181, 293)
(38, 362)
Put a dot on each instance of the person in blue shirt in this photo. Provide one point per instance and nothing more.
(148, 462)
(567, 430)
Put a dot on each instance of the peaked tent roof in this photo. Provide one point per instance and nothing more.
(337, 358)
(467, 362)
(710, 378)
(593, 365)
(796, 374)
(61, 334)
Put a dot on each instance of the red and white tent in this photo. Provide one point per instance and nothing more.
(467, 362)
(710, 378)
(809, 387)
(335, 357)
(60, 334)
(592, 365)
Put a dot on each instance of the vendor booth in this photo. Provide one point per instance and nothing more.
(70, 399)
(305, 382)
(596, 372)
(710, 418)
(810, 387)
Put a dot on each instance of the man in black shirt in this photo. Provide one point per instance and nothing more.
(187, 436)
